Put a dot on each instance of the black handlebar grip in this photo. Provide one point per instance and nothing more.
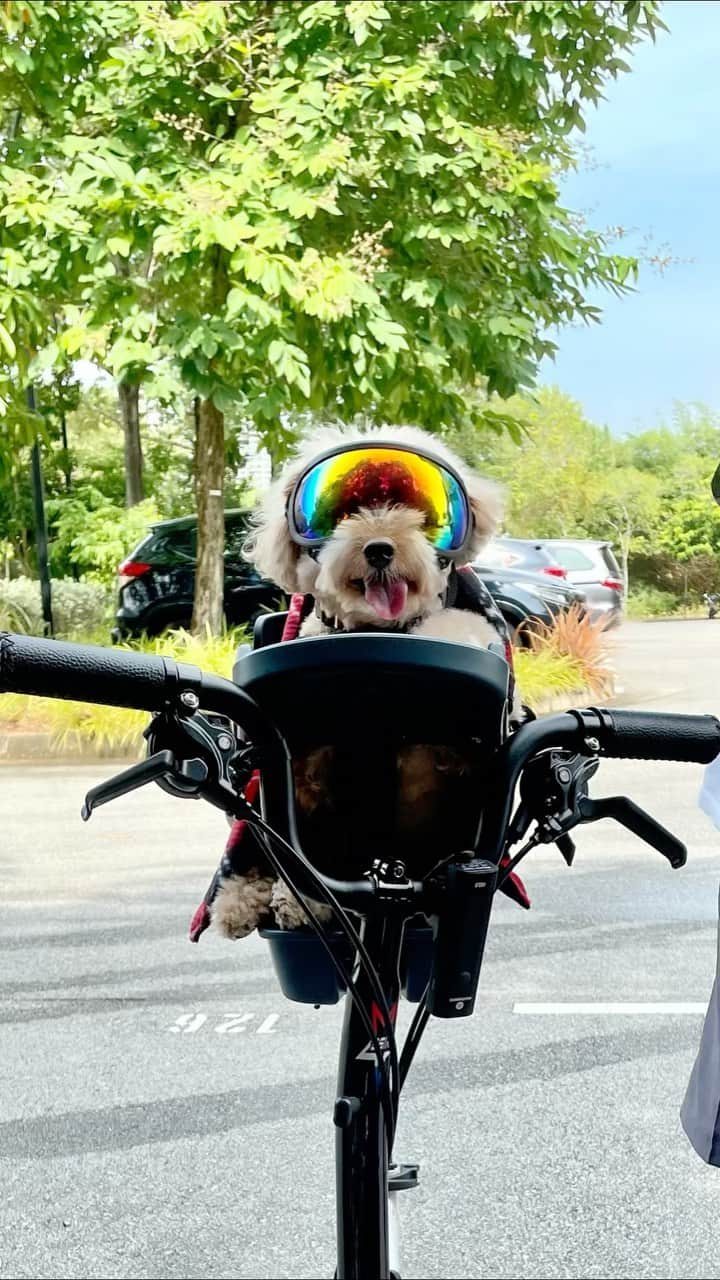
(658, 735)
(89, 673)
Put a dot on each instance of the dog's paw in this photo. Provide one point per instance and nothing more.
(288, 912)
(242, 903)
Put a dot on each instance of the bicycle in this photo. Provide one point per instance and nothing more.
(209, 734)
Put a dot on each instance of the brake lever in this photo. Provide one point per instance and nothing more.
(160, 765)
(549, 795)
(635, 819)
(555, 794)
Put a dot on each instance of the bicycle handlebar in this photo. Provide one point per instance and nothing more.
(89, 673)
(624, 735)
(119, 678)
(147, 682)
(659, 735)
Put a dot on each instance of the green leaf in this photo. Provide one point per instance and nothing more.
(7, 342)
(45, 359)
(120, 245)
(387, 333)
(127, 353)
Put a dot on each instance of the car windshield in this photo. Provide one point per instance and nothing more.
(172, 544)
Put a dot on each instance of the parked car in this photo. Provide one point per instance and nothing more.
(591, 566)
(157, 580)
(524, 598)
(530, 555)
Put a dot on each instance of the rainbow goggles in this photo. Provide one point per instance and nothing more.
(350, 478)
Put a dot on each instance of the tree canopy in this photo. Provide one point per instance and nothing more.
(649, 493)
(343, 208)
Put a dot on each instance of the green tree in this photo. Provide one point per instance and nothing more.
(628, 511)
(681, 457)
(548, 470)
(332, 207)
(565, 477)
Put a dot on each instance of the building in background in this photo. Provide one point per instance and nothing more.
(256, 469)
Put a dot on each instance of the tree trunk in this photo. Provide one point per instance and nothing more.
(625, 556)
(67, 465)
(208, 612)
(129, 396)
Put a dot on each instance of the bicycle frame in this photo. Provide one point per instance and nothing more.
(362, 1142)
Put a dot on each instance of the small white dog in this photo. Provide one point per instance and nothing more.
(377, 566)
(372, 525)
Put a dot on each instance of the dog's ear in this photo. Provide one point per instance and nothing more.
(269, 545)
(486, 504)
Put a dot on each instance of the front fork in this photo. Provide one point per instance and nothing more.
(366, 1188)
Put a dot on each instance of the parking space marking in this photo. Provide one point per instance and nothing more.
(224, 1024)
(583, 1007)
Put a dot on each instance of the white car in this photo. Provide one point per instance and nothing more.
(591, 566)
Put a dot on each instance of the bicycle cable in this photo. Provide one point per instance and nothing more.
(390, 1091)
(412, 1039)
(391, 1077)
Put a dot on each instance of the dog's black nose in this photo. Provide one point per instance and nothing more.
(379, 554)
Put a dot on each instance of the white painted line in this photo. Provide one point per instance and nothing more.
(268, 1026)
(603, 1007)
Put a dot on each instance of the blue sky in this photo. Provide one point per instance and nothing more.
(656, 141)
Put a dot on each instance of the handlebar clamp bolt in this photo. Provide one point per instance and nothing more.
(189, 699)
(592, 744)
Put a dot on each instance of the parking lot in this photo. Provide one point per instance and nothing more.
(164, 1113)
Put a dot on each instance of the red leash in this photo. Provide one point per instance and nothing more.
(296, 616)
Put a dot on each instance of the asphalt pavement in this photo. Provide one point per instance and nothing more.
(165, 1113)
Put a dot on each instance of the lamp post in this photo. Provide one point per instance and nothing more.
(41, 541)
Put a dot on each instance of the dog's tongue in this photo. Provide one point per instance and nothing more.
(387, 598)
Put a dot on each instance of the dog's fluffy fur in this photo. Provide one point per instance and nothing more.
(349, 590)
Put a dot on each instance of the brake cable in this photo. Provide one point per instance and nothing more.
(391, 1076)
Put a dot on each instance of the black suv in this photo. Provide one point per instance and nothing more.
(157, 580)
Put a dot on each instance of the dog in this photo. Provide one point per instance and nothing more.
(375, 567)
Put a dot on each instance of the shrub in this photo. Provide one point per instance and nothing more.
(542, 674)
(14, 616)
(651, 602)
(79, 608)
(577, 638)
(92, 535)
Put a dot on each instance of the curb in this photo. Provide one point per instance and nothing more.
(43, 748)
